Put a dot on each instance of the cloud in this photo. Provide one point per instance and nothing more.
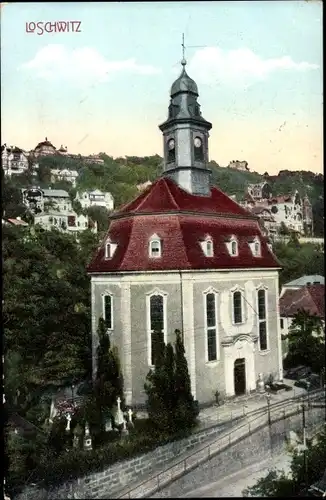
(83, 65)
(240, 67)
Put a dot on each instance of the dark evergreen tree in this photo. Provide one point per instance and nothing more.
(156, 385)
(109, 380)
(186, 409)
(171, 406)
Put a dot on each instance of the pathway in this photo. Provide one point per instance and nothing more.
(244, 404)
(234, 484)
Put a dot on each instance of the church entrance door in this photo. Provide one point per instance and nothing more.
(240, 376)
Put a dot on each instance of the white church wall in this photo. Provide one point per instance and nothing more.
(130, 333)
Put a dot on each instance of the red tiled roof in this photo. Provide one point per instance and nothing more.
(165, 196)
(311, 298)
(181, 221)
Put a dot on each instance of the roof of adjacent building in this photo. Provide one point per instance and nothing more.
(310, 298)
(304, 280)
(17, 222)
(55, 193)
(260, 209)
(280, 198)
(45, 143)
(181, 220)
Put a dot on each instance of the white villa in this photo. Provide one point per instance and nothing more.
(95, 198)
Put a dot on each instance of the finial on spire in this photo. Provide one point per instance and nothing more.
(183, 61)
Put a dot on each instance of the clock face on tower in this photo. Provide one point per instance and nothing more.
(171, 144)
(197, 142)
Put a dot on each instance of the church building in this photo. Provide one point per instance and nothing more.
(183, 255)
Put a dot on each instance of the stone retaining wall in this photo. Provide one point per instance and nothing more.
(121, 474)
(108, 483)
(249, 450)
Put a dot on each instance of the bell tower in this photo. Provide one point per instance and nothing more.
(185, 137)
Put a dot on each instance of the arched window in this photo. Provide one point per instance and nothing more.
(108, 250)
(209, 248)
(262, 323)
(234, 248)
(156, 324)
(257, 248)
(107, 310)
(211, 326)
(171, 150)
(198, 149)
(155, 249)
(237, 307)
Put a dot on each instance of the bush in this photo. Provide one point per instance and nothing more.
(53, 471)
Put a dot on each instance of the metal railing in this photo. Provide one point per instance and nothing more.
(201, 455)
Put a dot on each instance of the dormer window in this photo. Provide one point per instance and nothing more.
(109, 249)
(255, 247)
(155, 247)
(207, 247)
(232, 246)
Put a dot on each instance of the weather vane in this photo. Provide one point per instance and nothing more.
(183, 62)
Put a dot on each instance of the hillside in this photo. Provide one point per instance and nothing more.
(120, 176)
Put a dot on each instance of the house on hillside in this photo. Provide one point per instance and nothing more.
(64, 175)
(310, 298)
(42, 200)
(288, 209)
(44, 148)
(314, 279)
(95, 198)
(13, 160)
(260, 191)
(93, 159)
(239, 165)
(266, 216)
(68, 222)
(184, 255)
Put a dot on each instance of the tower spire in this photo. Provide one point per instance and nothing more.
(183, 61)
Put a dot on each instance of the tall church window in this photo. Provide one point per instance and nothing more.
(171, 150)
(211, 326)
(262, 320)
(157, 323)
(237, 307)
(107, 310)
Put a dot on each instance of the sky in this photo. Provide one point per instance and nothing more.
(104, 86)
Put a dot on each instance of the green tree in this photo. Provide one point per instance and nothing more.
(306, 345)
(109, 380)
(170, 404)
(158, 387)
(278, 484)
(187, 409)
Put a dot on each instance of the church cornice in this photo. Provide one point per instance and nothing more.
(201, 122)
(184, 167)
(183, 212)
